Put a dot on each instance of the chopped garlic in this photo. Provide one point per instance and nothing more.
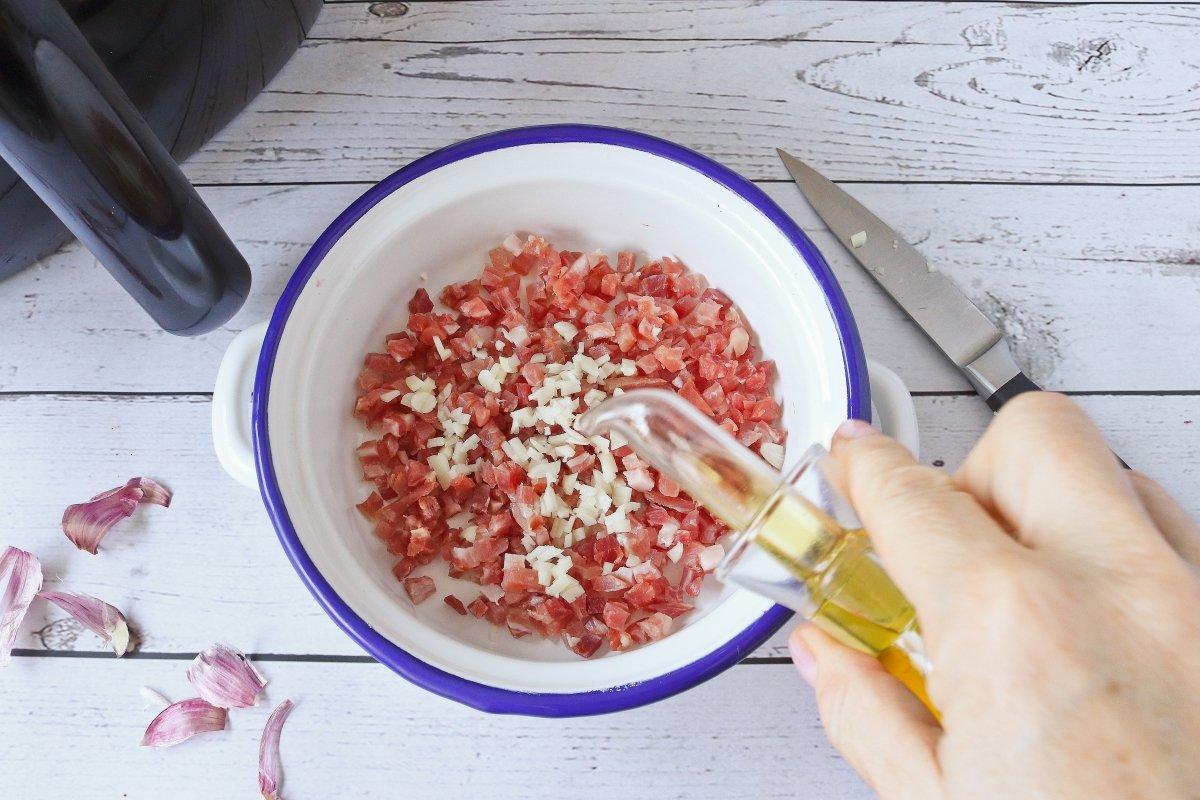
(519, 336)
(544, 469)
(421, 402)
(711, 556)
(593, 397)
(515, 449)
(544, 552)
(443, 353)
(488, 381)
(608, 465)
(566, 330)
(441, 469)
(857, 240)
(573, 592)
(772, 454)
(419, 384)
(617, 522)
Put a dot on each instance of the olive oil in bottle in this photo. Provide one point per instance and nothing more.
(850, 595)
(798, 542)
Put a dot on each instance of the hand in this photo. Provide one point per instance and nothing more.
(1059, 599)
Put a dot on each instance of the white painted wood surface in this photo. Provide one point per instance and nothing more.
(1052, 175)
(895, 91)
(1056, 266)
(359, 731)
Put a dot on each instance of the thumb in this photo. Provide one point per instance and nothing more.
(885, 732)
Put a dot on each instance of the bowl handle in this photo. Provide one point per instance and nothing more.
(231, 404)
(892, 409)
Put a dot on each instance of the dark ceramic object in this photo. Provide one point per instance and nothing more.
(98, 99)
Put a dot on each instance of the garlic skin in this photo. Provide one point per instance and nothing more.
(152, 699)
(24, 579)
(268, 752)
(224, 676)
(181, 721)
(86, 524)
(97, 616)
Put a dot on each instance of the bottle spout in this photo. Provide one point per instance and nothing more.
(710, 465)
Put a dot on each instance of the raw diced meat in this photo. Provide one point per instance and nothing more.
(651, 629)
(420, 589)
(464, 406)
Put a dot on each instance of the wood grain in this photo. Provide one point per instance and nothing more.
(940, 112)
(669, 20)
(360, 731)
(1085, 280)
(209, 567)
(898, 92)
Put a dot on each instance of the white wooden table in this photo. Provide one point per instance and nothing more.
(1045, 157)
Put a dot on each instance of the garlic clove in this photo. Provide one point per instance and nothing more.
(97, 616)
(224, 676)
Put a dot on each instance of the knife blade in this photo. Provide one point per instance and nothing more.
(940, 309)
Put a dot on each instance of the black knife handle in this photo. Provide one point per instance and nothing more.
(1019, 384)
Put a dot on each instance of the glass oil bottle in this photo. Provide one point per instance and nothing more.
(798, 541)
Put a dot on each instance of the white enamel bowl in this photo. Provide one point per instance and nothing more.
(432, 223)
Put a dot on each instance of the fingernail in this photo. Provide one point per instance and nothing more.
(806, 665)
(855, 429)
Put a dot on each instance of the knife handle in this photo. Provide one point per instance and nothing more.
(1019, 384)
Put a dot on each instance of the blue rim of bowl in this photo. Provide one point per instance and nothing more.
(480, 696)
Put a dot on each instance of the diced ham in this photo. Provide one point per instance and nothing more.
(420, 589)
(651, 629)
(465, 469)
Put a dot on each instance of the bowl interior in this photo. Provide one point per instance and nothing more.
(437, 229)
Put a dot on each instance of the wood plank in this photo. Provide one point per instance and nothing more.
(209, 568)
(1086, 281)
(667, 20)
(931, 92)
(360, 731)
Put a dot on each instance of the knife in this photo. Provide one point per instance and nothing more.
(940, 309)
